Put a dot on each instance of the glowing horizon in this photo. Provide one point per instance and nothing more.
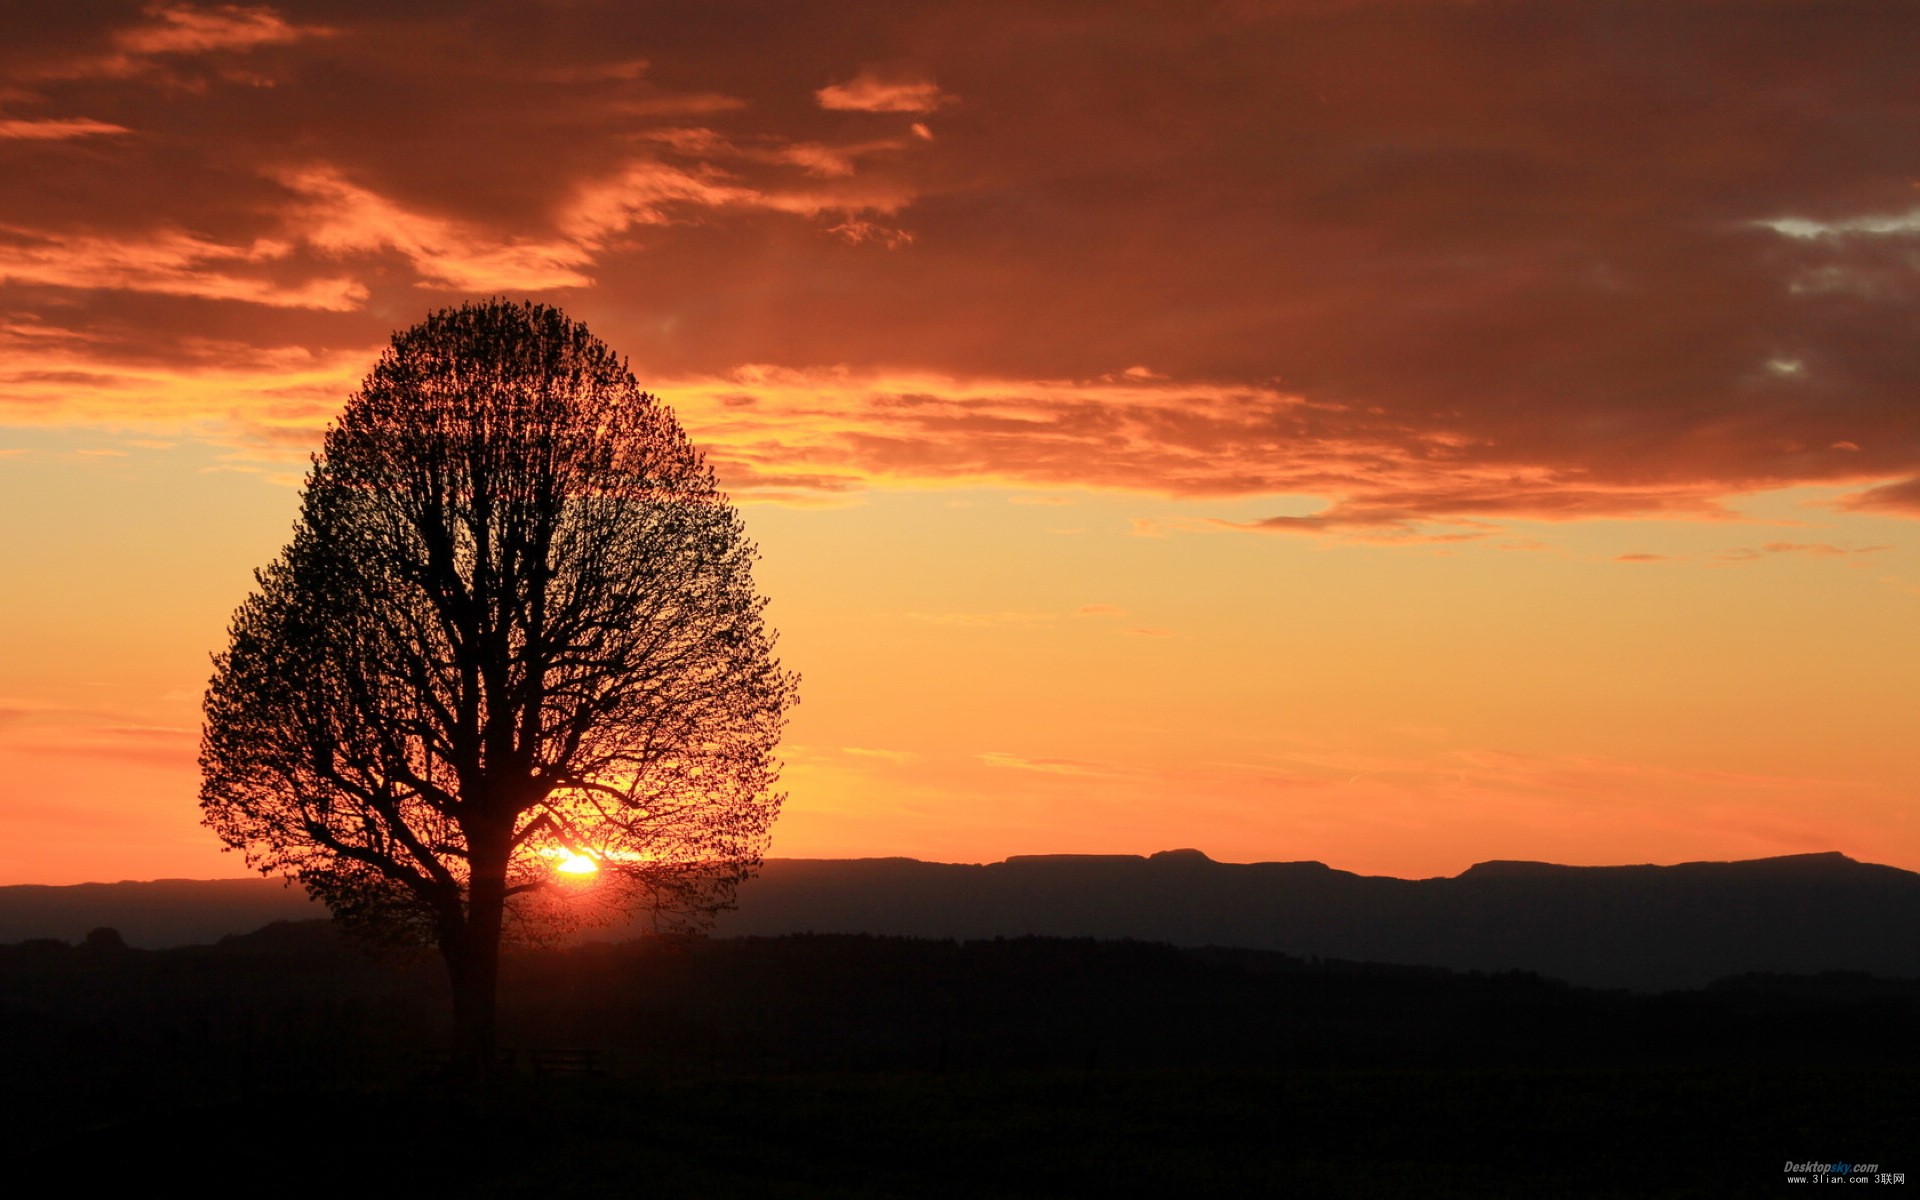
(1394, 435)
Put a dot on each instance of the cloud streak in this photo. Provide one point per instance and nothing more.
(878, 91)
(270, 403)
(338, 217)
(169, 262)
(171, 32)
(188, 29)
(57, 129)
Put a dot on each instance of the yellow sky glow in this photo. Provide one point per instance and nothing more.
(1394, 435)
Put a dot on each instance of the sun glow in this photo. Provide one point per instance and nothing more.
(577, 864)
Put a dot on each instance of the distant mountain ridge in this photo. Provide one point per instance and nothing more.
(1645, 927)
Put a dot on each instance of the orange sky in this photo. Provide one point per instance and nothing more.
(1397, 434)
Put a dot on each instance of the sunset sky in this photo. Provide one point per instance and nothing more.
(1398, 434)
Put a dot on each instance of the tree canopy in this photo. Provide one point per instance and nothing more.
(516, 627)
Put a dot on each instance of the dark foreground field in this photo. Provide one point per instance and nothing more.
(808, 1066)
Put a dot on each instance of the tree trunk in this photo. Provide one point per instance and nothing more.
(473, 963)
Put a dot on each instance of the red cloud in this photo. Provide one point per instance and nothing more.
(340, 217)
(1433, 266)
(877, 91)
(170, 262)
(56, 129)
(175, 32)
(1902, 498)
(187, 29)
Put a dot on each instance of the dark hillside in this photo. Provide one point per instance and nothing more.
(1644, 927)
(860, 1065)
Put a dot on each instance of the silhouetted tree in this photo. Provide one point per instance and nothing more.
(105, 940)
(516, 629)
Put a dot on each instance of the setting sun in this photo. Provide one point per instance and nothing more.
(577, 864)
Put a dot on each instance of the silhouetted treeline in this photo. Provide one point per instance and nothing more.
(294, 994)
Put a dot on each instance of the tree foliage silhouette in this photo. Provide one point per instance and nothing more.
(516, 626)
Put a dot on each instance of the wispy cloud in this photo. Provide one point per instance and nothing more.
(878, 91)
(1044, 766)
(896, 757)
(267, 401)
(1804, 549)
(340, 217)
(53, 129)
(170, 262)
(178, 31)
(856, 230)
(1906, 224)
(1901, 497)
(189, 29)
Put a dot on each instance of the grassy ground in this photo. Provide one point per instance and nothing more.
(1360, 1133)
(284, 1064)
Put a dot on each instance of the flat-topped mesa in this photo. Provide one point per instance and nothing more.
(1812, 864)
(1185, 858)
(1067, 860)
(1514, 868)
